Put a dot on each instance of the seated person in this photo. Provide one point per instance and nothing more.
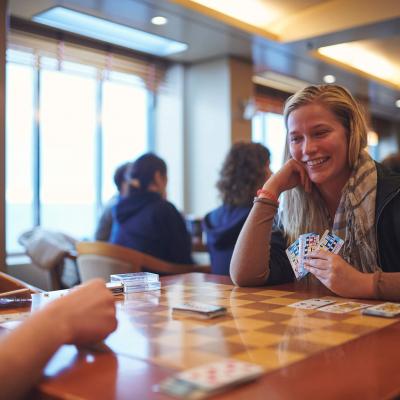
(329, 182)
(245, 169)
(103, 230)
(144, 220)
(84, 316)
(392, 162)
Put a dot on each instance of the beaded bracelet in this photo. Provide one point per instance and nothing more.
(267, 195)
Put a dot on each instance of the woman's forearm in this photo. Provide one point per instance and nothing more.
(250, 259)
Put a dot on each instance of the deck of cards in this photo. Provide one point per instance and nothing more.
(307, 243)
(135, 282)
(199, 310)
(388, 310)
(209, 379)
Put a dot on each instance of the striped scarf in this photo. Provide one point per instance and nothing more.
(355, 217)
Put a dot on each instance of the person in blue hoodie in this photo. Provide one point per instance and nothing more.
(245, 169)
(144, 220)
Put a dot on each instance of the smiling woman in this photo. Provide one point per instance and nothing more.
(328, 182)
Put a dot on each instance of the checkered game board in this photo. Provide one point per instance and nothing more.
(259, 328)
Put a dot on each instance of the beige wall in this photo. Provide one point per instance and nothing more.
(3, 27)
(214, 92)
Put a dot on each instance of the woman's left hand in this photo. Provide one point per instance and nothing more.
(339, 276)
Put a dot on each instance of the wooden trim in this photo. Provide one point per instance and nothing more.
(3, 46)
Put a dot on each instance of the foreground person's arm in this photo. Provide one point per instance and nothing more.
(250, 258)
(87, 315)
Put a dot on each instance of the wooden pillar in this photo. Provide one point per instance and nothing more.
(3, 45)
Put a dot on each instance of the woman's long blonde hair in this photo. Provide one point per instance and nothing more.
(302, 212)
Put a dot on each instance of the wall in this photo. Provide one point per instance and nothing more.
(3, 27)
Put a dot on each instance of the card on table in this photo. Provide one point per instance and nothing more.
(311, 304)
(342, 308)
(330, 242)
(209, 379)
(388, 310)
(199, 310)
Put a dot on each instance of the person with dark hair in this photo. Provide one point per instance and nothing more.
(104, 226)
(144, 220)
(328, 182)
(245, 169)
(392, 162)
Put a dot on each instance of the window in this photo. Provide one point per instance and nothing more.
(69, 125)
(269, 129)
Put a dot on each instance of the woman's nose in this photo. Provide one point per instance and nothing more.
(309, 146)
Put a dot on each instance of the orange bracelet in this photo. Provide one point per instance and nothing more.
(268, 195)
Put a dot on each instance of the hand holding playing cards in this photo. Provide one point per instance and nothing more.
(292, 174)
(337, 275)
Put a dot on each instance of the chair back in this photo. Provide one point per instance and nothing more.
(101, 259)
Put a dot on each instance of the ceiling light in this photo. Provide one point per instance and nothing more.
(107, 31)
(159, 20)
(397, 103)
(362, 58)
(329, 79)
(280, 82)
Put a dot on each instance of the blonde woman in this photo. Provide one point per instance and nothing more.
(328, 182)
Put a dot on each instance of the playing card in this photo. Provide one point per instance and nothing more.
(199, 310)
(293, 254)
(383, 310)
(330, 242)
(209, 379)
(311, 304)
(308, 242)
(342, 308)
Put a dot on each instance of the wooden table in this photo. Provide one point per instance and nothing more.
(306, 354)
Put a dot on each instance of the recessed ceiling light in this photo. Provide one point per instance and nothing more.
(329, 78)
(397, 103)
(108, 31)
(159, 20)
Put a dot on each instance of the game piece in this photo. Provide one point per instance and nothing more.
(308, 242)
(388, 310)
(210, 379)
(137, 282)
(311, 304)
(342, 308)
(293, 254)
(199, 310)
(330, 242)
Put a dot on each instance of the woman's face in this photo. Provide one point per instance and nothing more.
(319, 141)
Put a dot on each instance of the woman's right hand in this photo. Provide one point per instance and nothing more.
(292, 174)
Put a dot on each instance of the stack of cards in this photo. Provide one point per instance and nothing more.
(209, 379)
(308, 243)
(137, 282)
(199, 310)
(388, 310)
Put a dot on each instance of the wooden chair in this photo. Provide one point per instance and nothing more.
(101, 259)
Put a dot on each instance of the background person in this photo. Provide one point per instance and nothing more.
(328, 182)
(245, 169)
(392, 162)
(104, 226)
(144, 220)
(84, 316)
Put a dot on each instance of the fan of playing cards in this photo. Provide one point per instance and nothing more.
(307, 243)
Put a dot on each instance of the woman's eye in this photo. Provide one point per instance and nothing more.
(295, 139)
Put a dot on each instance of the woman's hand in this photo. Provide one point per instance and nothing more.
(339, 276)
(292, 174)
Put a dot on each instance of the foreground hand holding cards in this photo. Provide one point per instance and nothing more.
(209, 379)
(308, 243)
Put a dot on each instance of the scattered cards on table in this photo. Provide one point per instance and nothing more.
(199, 310)
(342, 308)
(311, 304)
(209, 379)
(388, 310)
(307, 243)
